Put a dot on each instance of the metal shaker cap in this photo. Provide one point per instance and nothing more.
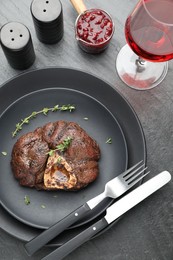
(48, 20)
(17, 45)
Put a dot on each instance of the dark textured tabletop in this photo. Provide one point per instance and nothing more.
(145, 232)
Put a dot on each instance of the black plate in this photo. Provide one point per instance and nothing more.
(89, 84)
(58, 204)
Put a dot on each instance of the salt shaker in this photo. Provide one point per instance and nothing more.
(17, 45)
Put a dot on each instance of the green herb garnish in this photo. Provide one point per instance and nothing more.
(109, 141)
(59, 159)
(4, 153)
(43, 206)
(61, 147)
(44, 111)
(27, 200)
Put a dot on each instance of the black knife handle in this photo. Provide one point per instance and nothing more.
(42, 239)
(76, 241)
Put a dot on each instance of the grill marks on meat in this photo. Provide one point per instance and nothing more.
(29, 158)
(52, 132)
(71, 170)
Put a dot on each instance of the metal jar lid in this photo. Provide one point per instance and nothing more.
(48, 20)
(17, 45)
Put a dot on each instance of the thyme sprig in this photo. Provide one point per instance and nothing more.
(4, 153)
(27, 200)
(44, 111)
(61, 147)
(109, 141)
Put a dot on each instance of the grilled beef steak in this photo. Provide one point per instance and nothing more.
(71, 169)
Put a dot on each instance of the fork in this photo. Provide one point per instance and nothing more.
(113, 189)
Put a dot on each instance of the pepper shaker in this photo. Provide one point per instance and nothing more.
(48, 20)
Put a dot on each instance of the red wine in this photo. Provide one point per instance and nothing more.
(149, 30)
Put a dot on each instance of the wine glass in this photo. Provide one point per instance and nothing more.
(143, 62)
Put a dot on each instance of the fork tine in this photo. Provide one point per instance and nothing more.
(132, 183)
(136, 175)
(127, 176)
(130, 169)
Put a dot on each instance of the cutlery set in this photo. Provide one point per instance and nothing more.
(114, 189)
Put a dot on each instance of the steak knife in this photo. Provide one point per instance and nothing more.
(112, 213)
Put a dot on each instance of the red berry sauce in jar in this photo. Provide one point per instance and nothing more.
(94, 30)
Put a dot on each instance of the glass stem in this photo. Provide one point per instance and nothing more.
(140, 64)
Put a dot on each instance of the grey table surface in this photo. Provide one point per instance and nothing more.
(145, 232)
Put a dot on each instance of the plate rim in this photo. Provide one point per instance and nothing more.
(109, 200)
(17, 233)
